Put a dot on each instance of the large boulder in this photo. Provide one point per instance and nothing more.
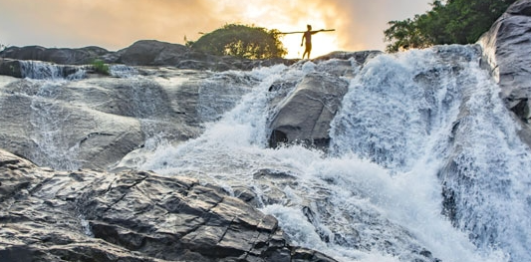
(10, 67)
(151, 52)
(156, 53)
(87, 215)
(506, 50)
(64, 56)
(305, 116)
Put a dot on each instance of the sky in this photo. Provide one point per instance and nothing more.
(116, 24)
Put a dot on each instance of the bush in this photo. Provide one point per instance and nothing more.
(242, 41)
(100, 67)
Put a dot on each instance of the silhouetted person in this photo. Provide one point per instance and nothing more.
(308, 35)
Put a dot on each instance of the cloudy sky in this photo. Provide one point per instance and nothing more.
(116, 24)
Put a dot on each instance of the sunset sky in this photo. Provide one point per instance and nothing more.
(116, 24)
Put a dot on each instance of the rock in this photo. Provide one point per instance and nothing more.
(86, 215)
(10, 67)
(31, 129)
(359, 57)
(317, 210)
(100, 120)
(305, 116)
(151, 52)
(38, 70)
(140, 53)
(505, 52)
(64, 56)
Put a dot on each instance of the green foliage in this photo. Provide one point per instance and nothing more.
(451, 22)
(100, 67)
(242, 41)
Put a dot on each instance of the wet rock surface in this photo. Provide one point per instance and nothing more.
(87, 215)
(317, 210)
(305, 108)
(305, 116)
(94, 122)
(506, 52)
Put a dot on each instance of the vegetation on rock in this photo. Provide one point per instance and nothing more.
(100, 67)
(242, 41)
(448, 22)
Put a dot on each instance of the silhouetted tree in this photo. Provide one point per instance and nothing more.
(242, 41)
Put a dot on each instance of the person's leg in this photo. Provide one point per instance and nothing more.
(307, 50)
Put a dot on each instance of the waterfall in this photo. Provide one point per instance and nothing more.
(424, 160)
(123, 71)
(378, 194)
(48, 116)
(42, 70)
(48, 119)
(422, 116)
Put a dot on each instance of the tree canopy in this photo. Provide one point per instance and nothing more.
(242, 41)
(448, 22)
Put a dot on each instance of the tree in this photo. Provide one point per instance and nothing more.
(451, 22)
(404, 34)
(242, 41)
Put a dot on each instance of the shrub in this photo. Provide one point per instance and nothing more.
(242, 41)
(100, 67)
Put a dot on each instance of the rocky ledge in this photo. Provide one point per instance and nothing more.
(128, 216)
(141, 53)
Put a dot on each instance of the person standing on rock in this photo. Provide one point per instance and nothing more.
(308, 35)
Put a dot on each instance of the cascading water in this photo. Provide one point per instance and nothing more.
(377, 195)
(451, 122)
(51, 146)
(424, 160)
(47, 117)
(42, 70)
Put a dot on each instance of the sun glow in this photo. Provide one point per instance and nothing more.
(290, 17)
(322, 44)
(116, 24)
